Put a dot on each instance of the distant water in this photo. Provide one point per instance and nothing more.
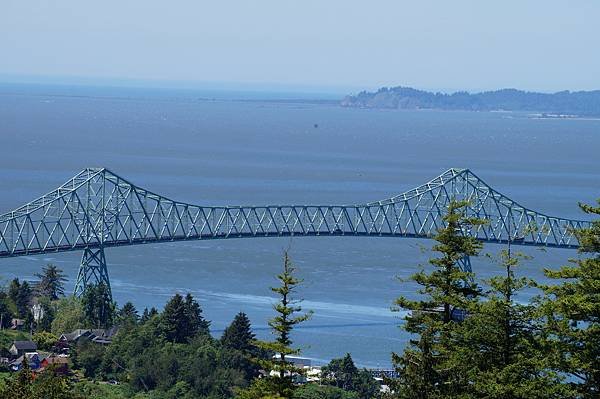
(205, 148)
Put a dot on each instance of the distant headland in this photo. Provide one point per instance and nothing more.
(563, 104)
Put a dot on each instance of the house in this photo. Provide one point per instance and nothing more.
(60, 364)
(19, 348)
(33, 361)
(98, 336)
(74, 336)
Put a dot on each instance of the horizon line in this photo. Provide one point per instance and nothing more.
(244, 86)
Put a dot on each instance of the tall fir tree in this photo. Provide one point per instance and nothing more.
(182, 319)
(239, 338)
(196, 322)
(174, 322)
(447, 292)
(288, 316)
(572, 310)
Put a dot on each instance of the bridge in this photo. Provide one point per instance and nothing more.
(98, 209)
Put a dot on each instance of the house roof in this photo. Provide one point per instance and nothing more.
(25, 345)
(96, 335)
(56, 360)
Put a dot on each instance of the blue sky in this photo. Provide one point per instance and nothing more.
(338, 45)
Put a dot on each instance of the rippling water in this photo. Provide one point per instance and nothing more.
(224, 152)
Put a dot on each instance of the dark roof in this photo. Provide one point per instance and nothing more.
(25, 345)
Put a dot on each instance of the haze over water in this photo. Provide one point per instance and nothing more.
(225, 152)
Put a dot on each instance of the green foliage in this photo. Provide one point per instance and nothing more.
(143, 357)
(6, 314)
(148, 314)
(52, 282)
(572, 310)
(499, 348)
(128, 315)
(193, 314)
(69, 315)
(239, 337)
(93, 390)
(423, 367)
(314, 391)
(261, 388)
(98, 307)
(281, 326)
(344, 374)
(45, 341)
(48, 385)
(182, 319)
(21, 294)
(8, 336)
(45, 324)
(88, 356)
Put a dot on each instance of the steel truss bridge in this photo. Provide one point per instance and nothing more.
(98, 209)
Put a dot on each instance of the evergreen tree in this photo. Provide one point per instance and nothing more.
(128, 314)
(98, 307)
(280, 385)
(13, 289)
(499, 348)
(6, 314)
(448, 290)
(238, 335)
(51, 283)
(572, 308)
(21, 295)
(148, 314)
(24, 297)
(174, 320)
(193, 312)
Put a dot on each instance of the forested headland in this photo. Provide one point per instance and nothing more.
(560, 104)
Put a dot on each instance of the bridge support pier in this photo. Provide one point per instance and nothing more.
(92, 270)
(465, 264)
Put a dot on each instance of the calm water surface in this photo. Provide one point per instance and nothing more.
(224, 152)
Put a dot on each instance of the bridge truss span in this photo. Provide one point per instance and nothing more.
(97, 209)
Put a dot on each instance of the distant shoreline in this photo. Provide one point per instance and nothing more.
(559, 105)
(507, 101)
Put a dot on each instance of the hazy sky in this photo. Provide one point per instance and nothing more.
(544, 45)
